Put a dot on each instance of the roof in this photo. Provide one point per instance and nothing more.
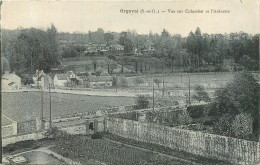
(10, 76)
(61, 76)
(69, 73)
(100, 78)
(38, 73)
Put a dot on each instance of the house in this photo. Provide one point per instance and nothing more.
(37, 77)
(11, 81)
(46, 81)
(100, 81)
(72, 78)
(60, 80)
(117, 47)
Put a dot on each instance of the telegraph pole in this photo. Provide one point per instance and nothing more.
(153, 92)
(41, 108)
(50, 102)
(163, 86)
(189, 89)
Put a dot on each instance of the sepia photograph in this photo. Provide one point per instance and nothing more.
(130, 82)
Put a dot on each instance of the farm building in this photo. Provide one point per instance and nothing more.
(11, 81)
(72, 78)
(46, 81)
(100, 81)
(60, 80)
(37, 77)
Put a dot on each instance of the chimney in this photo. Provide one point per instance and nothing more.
(42, 71)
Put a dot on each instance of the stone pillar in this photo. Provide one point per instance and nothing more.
(46, 125)
(14, 128)
(87, 128)
(38, 124)
(101, 124)
(96, 125)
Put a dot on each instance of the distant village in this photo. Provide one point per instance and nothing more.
(41, 80)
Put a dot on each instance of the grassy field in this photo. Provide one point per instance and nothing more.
(182, 79)
(27, 105)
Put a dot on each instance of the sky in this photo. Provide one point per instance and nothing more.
(82, 16)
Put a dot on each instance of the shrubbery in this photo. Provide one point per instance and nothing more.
(97, 135)
(142, 102)
(196, 111)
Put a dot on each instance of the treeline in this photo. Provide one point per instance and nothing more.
(31, 49)
(197, 52)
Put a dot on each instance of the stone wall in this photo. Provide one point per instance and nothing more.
(18, 138)
(7, 130)
(198, 143)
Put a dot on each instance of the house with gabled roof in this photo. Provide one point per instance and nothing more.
(60, 80)
(11, 81)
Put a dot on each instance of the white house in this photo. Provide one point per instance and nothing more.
(46, 81)
(60, 80)
(11, 81)
(37, 77)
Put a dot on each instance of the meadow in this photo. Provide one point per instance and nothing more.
(24, 106)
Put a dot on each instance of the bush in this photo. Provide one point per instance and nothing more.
(200, 94)
(184, 118)
(97, 135)
(196, 111)
(223, 126)
(142, 102)
(242, 125)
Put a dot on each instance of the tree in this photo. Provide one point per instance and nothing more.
(242, 125)
(108, 38)
(239, 96)
(200, 94)
(157, 82)
(184, 118)
(138, 81)
(142, 102)
(123, 82)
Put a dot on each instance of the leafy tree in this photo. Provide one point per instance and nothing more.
(108, 38)
(200, 94)
(242, 125)
(138, 81)
(123, 82)
(239, 96)
(142, 102)
(184, 118)
(157, 82)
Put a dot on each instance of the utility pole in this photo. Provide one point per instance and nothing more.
(189, 89)
(163, 86)
(116, 83)
(50, 102)
(153, 92)
(41, 108)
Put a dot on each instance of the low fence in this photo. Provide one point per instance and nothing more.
(198, 143)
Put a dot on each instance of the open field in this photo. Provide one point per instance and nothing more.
(27, 105)
(195, 78)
